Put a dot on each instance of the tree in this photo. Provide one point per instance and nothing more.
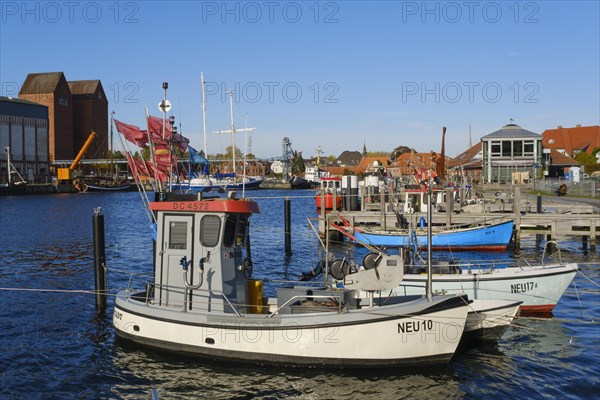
(595, 152)
(297, 164)
(229, 153)
(398, 151)
(146, 152)
(585, 158)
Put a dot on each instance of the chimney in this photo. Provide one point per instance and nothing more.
(578, 126)
(560, 127)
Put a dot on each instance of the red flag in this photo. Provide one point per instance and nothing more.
(132, 133)
(133, 167)
(155, 126)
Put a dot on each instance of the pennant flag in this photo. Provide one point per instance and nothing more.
(155, 126)
(132, 133)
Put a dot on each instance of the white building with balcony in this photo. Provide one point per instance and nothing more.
(511, 149)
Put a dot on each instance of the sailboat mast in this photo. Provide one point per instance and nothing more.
(112, 150)
(230, 93)
(429, 289)
(204, 113)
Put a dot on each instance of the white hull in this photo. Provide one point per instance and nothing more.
(539, 288)
(403, 334)
(489, 319)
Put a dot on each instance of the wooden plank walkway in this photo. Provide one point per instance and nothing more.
(553, 226)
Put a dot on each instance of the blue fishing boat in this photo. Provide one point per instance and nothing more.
(483, 237)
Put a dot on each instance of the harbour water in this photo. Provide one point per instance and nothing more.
(53, 346)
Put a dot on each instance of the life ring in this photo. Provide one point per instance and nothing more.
(80, 185)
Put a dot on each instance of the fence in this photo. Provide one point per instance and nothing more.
(584, 188)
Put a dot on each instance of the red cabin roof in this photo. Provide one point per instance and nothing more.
(213, 205)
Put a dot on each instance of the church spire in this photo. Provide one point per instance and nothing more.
(364, 152)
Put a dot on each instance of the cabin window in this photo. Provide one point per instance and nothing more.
(177, 235)
(210, 228)
(240, 236)
(229, 235)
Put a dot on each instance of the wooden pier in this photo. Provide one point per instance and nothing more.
(527, 220)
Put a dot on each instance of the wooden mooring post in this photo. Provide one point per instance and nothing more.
(99, 260)
(288, 226)
(449, 206)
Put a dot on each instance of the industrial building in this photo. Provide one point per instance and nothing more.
(24, 132)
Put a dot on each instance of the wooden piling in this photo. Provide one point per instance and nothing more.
(517, 205)
(449, 206)
(593, 234)
(382, 199)
(99, 260)
(288, 230)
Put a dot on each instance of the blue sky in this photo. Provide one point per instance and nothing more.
(334, 74)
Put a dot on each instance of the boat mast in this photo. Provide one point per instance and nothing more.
(112, 150)
(204, 113)
(230, 93)
(428, 289)
(233, 131)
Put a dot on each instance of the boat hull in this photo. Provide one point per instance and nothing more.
(248, 185)
(488, 320)
(538, 288)
(494, 237)
(410, 334)
(111, 188)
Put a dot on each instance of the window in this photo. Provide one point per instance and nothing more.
(528, 148)
(240, 236)
(4, 143)
(229, 235)
(496, 148)
(506, 148)
(16, 141)
(42, 143)
(210, 228)
(517, 148)
(178, 235)
(30, 142)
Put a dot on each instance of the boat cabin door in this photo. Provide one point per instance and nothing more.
(173, 249)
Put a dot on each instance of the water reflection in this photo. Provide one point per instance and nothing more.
(179, 378)
(51, 343)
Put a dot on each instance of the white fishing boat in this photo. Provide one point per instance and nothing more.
(537, 287)
(487, 319)
(202, 301)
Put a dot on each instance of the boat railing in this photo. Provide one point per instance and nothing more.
(305, 296)
(135, 277)
(152, 287)
(550, 242)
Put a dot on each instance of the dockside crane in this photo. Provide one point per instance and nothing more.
(66, 174)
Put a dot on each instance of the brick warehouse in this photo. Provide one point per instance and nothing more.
(75, 108)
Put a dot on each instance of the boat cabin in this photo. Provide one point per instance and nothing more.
(329, 195)
(201, 254)
(415, 200)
